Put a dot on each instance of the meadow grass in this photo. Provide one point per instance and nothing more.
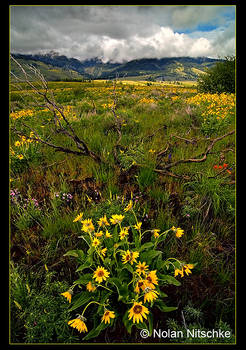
(198, 197)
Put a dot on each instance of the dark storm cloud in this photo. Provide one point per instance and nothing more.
(121, 33)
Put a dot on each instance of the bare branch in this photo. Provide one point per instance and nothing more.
(57, 112)
(203, 155)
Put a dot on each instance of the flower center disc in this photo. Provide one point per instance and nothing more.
(137, 309)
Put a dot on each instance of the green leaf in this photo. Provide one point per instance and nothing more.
(135, 234)
(84, 279)
(150, 320)
(107, 262)
(103, 297)
(168, 279)
(162, 294)
(84, 266)
(115, 234)
(146, 246)
(121, 287)
(128, 267)
(76, 253)
(141, 325)
(80, 299)
(163, 307)
(127, 323)
(150, 255)
(96, 331)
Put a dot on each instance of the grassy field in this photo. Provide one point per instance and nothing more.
(160, 155)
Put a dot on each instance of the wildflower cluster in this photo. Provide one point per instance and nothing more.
(17, 199)
(68, 113)
(21, 114)
(15, 195)
(174, 98)
(219, 106)
(22, 145)
(108, 105)
(216, 109)
(66, 197)
(222, 167)
(147, 100)
(118, 263)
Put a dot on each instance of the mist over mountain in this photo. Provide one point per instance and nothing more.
(167, 68)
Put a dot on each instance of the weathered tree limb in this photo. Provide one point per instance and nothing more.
(203, 155)
(53, 107)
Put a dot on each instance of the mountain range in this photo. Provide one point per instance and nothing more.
(59, 67)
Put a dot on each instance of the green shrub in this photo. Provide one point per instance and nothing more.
(38, 312)
(193, 320)
(220, 78)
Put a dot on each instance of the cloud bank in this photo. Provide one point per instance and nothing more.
(123, 33)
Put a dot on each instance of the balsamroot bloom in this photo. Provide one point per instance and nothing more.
(90, 287)
(78, 218)
(68, 295)
(129, 206)
(87, 225)
(117, 219)
(150, 295)
(103, 221)
(151, 279)
(79, 324)
(141, 284)
(186, 268)
(138, 226)
(123, 233)
(142, 267)
(178, 231)
(130, 257)
(95, 242)
(156, 232)
(107, 316)
(101, 274)
(138, 312)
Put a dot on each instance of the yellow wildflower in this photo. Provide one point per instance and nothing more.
(103, 221)
(78, 218)
(188, 268)
(150, 295)
(101, 274)
(90, 287)
(103, 251)
(142, 267)
(108, 234)
(141, 284)
(178, 231)
(123, 233)
(116, 219)
(151, 279)
(179, 272)
(107, 316)
(138, 226)
(68, 295)
(79, 324)
(99, 234)
(156, 233)
(129, 206)
(87, 225)
(138, 312)
(129, 257)
(95, 242)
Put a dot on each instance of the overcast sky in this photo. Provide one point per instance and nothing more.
(120, 33)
